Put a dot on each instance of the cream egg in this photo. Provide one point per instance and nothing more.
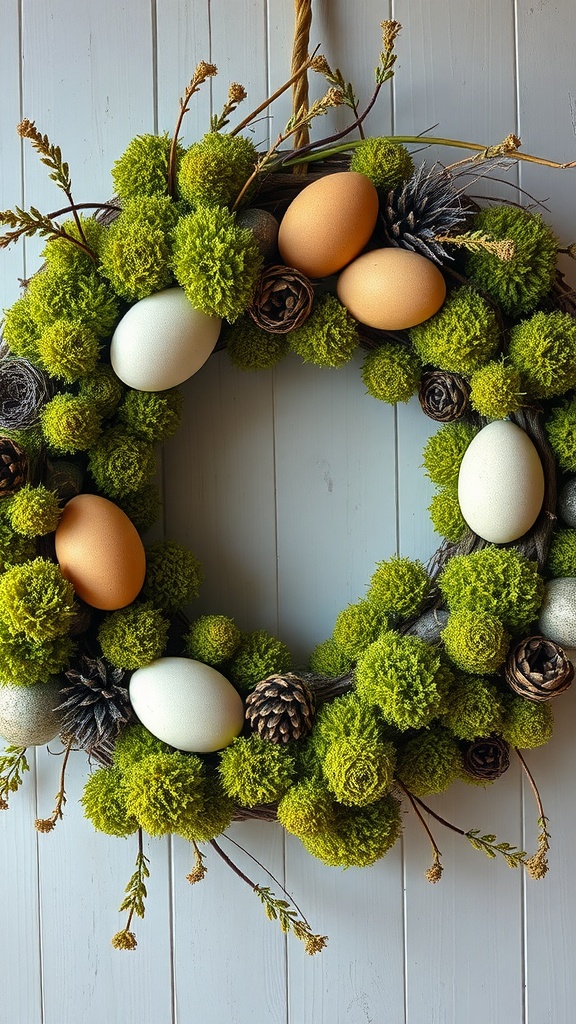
(162, 341)
(391, 289)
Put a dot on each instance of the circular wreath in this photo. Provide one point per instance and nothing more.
(439, 672)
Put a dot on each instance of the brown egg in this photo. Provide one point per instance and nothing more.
(328, 223)
(391, 289)
(100, 552)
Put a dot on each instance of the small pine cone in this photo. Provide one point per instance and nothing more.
(280, 708)
(427, 206)
(538, 669)
(282, 301)
(487, 758)
(13, 466)
(95, 706)
(443, 396)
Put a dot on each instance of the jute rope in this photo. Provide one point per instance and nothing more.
(303, 13)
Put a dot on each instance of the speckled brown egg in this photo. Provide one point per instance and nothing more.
(391, 289)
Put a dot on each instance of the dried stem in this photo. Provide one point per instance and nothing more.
(13, 764)
(48, 824)
(267, 102)
(537, 864)
(434, 872)
(264, 868)
(488, 843)
(199, 870)
(133, 901)
(202, 72)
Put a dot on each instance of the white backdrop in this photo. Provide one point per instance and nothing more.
(289, 486)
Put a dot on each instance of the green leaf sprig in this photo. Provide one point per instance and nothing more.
(133, 902)
(13, 764)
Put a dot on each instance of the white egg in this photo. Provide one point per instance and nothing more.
(501, 483)
(187, 704)
(27, 716)
(558, 612)
(162, 341)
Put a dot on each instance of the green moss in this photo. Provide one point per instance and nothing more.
(70, 423)
(214, 816)
(173, 575)
(133, 636)
(24, 662)
(120, 463)
(143, 507)
(36, 601)
(64, 257)
(561, 430)
(212, 639)
(216, 262)
(358, 626)
(34, 511)
(500, 581)
(258, 656)
(357, 836)
(142, 170)
(444, 451)
(386, 163)
(135, 743)
(346, 718)
(446, 515)
(104, 804)
(399, 586)
(103, 389)
(404, 677)
(20, 329)
(496, 390)
(136, 251)
(391, 372)
(526, 724)
(328, 659)
(215, 169)
(254, 771)
(306, 809)
(164, 791)
(359, 771)
(543, 349)
(562, 553)
(520, 283)
(68, 349)
(429, 762)
(329, 336)
(153, 415)
(473, 707)
(461, 337)
(73, 294)
(475, 641)
(14, 549)
(251, 348)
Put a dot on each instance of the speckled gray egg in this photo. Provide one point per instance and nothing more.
(27, 716)
(558, 612)
(264, 227)
(567, 502)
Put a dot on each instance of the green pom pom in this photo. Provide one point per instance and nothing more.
(103, 390)
(34, 511)
(359, 771)
(306, 809)
(386, 163)
(329, 336)
(104, 804)
(135, 743)
(143, 507)
(133, 636)
(473, 707)
(121, 463)
(345, 718)
(561, 430)
(461, 337)
(63, 257)
(526, 724)
(358, 626)
(543, 349)
(328, 659)
(500, 581)
(14, 549)
(68, 349)
(254, 771)
(36, 601)
(399, 586)
(142, 170)
(173, 575)
(475, 641)
(153, 415)
(562, 553)
(216, 262)
(136, 250)
(446, 515)
(517, 284)
(20, 329)
(403, 676)
(75, 295)
(70, 423)
(258, 656)
(24, 662)
(358, 836)
(213, 639)
(391, 372)
(496, 390)
(251, 348)
(429, 762)
(215, 816)
(164, 792)
(214, 170)
(444, 452)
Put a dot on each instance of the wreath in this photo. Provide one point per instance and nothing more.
(314, 247)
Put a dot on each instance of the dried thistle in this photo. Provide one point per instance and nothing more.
(13, 764)
(236, 93)
(133, 901)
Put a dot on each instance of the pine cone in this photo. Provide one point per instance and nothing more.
(95, 707)
(424, 207)
(13, 466)
(280, 708)
(538, 669)
(282, 301)
(487, 758)
(443, 396)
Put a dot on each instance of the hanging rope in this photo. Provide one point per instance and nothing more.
(303, 13)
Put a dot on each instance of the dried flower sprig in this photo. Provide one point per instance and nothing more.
(13, 764)
(133, 901)
(537, 864)
(203, 71)
(198, 872)
(49, 824)
(236, 94)
(434, 872)
(487, 843)
(385, 69)
(309, 63)
(336, 78)
(473, 241)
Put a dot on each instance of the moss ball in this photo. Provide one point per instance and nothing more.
(14, 549)
(561, 430)
(473, 707)
(212, 639)
(251, 348)
(399, 587)
(254, 771)
(329, 337)
(358, 626)
(446, 515)
(526, 724)
(258, 655)
(25, 661)
(133, 636)
(500, 581)
(215, 169)
(104, 804)
(34, 511)
(306, 808)
(496, 390)
(143, 507)
(429, 762)
(403, 676)
(102, 389)
(386, 163)
(20, 329)
(120, 463)
(444, 451)
(328, 659)
(163, 791)
(173, 575)
(357, 836)
(68, 350)
(76, 295)
(63, 257)
(391, 372)
(461, 337)
(543, 349)
(142, 170)
(70, 423)
(136, 251)
(36, 601)
(359, 771)
(562, 553)
(133, 744)
(476, 641)
(345, 718)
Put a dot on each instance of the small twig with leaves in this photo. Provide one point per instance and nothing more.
(133, 901)
(13, 764)
(49, 824)
(537, 864)
(278, 910)
(434, 872)
(199, 870)
(236, 93)
(25, 223)
(473, 241)
(336, 78)
(203, 71)
(51, 157)
(310, 63)
(487, 843)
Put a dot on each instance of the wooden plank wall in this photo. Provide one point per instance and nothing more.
(289, 486)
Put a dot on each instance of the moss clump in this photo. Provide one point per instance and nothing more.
(391, 372)
(461, 337)
(496, 390)
(429, 762)
(137, 249)
(500, 581)
(359, 771)
(306, 809)
(444, 451)
(473, 707)
(164, 791)
(399, 587)
(153, 415)
(142, 170)
(213, 170)
(73, 294)
(24, 662)
(345, 718)
(258, 656)
(62, 257)
(133, 636)
(520, 283)
(328, 659)
(358, 626)
(20, 329)
(173, 575)
(70, 423)
(561, 430)
(68, 350)
(386, 163)
(254, 771)
(446, 515)
(404, 677)
(251, 348)
(543, 349)
(14, 549)
(475, 641)
(133, 744)
(120, 463)
(216, 262)
(36, 601)
(526, 724)
(103, 390)
(357, 836)
(104, 804)
(213, 639)
(143, 507)
(215, 816)
(562, 553)
(328, 337)
(34, 511)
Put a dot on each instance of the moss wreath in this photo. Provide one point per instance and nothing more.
(440, 671)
